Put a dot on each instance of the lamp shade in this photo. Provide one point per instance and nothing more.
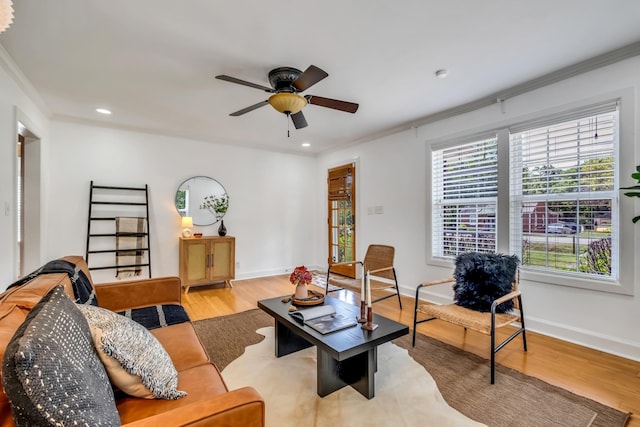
(6, 14)
(288, 103)
(187, 222)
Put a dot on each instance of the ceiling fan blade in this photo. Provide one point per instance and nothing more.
(349, 107)
(250, 108)
(244, 83)
(298, 120)
(311, 76)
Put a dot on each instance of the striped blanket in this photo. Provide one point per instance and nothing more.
(130, 242)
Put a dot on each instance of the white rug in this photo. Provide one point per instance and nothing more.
(405, 393)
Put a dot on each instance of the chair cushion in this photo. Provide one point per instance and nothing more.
(51, 372)
(482, 278)
(466, 318)
(135, 360)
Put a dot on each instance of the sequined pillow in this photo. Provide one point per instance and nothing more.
(135, 360)
(51, 372)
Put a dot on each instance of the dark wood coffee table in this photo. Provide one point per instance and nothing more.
(345, 357)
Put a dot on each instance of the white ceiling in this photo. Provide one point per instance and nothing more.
(153, 62)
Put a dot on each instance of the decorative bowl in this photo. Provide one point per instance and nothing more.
(314, 298)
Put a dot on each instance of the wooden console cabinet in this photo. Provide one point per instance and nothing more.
(207, 260)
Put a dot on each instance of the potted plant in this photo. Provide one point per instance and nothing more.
(300, 277)
(216, 204)
(635, 193)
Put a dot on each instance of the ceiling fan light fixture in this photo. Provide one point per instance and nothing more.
(6, 14)
(287, 103)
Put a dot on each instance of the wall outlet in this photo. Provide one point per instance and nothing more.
(379, 210)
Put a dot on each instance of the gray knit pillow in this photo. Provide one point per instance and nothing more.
(51, 372)
(137, 353)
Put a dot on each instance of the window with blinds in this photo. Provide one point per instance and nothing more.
(464, 198)
(562, 192)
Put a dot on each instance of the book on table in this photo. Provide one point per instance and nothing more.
(323, 318)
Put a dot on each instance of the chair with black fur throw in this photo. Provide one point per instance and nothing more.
(486, 297)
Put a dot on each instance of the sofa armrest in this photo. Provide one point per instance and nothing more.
(123, 295)
(243, 407)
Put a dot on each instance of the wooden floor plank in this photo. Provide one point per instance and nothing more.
(609, 379)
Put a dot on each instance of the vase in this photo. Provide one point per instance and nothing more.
(301, 291)
(222, 230)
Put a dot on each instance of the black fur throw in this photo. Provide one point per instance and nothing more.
(482, 278)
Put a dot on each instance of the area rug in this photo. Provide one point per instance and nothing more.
(405, 394)
(461, 377)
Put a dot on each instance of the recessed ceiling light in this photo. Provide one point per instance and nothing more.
(306, 144)
(442, 73)
(103, 111)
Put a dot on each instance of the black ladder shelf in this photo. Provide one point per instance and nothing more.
(106, 204)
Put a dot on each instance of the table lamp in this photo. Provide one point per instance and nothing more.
(187, 223)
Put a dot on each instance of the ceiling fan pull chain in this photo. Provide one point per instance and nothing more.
(288, 125)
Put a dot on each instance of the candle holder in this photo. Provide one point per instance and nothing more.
(362, 318)
(369, 325)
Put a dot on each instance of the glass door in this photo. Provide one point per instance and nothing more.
(342, 232)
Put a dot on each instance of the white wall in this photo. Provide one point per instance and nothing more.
(271, 212)
(392, 173)
(15, 105)
(278, 201)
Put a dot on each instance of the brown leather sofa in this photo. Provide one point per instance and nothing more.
(208, 402)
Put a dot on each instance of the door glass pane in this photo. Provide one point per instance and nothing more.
(341, 192)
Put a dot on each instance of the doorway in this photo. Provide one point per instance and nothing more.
(28, 234)
(341, 191)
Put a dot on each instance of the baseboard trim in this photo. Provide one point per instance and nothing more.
(274, 272)
(585, 338)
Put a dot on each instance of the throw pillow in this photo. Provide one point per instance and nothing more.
(157, 316)
(482, 278)
(51, 372)
(135, 360)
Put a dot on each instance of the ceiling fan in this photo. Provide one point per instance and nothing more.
(286, 83)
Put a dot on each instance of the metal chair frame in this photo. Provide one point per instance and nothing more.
(460, 320)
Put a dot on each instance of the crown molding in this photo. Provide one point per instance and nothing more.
(23, 82)
(608, 58)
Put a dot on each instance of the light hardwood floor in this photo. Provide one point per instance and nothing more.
(611, 380)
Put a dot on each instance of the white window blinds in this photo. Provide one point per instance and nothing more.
(464, 197)
(562, 182)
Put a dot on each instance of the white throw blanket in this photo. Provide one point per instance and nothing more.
(130, 235)
(405, 393)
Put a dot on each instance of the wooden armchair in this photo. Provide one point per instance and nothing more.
(494, 314)
(378, 262)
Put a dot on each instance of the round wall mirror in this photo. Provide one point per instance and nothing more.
(203, 199)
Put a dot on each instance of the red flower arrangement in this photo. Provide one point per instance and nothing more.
(300, 276)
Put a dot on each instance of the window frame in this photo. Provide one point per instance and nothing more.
(468, 200)
(437, 146)
(624, 166)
